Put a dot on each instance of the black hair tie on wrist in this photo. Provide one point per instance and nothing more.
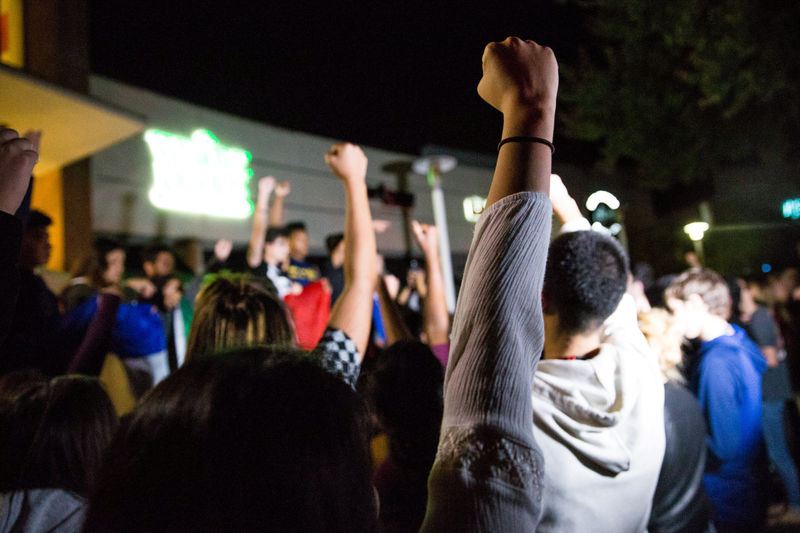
(528, 140)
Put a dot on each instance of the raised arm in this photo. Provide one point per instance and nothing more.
(488, 470)
(17, 158)
(255, 252)
(353, 310)
(282, 190)
(436, 319)
(527, 99)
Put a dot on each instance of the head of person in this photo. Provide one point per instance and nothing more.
(298, 240)
(254, 439)
(158, 262)
(404, 392)
(104, 265)
(238, 310)
(585, 278)
(35, 249)
(334, 243)
(665, 338)
(276, 246)
(53, 432)
(697, 296)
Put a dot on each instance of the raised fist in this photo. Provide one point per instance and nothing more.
(427, 236)
(347, 161)
(519, 76)
(18, 155)
(283, 189)
(222, 249)
(266, 185)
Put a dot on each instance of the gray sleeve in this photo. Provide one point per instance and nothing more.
(488, 469)
(763, 329)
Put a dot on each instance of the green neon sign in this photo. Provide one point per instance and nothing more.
(791, 208)
(199, 175)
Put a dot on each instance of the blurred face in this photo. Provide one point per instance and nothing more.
(164, 264)
(298, 244)
(277, 251)
(689, 315)
(115, 259)
(36, 247)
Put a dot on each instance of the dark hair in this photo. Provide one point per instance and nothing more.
(53, 433)
(150, 253)
(296, 225)
(94, 264)
(585, 278)
(275, 233)
(261, 439)
(332, 241)
(37, 219)
(237, 310)
(404, 390)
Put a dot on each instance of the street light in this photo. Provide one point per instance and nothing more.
(695, 231)
(433, 167)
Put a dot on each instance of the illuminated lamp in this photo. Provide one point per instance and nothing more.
(695, 230)
(199, 175)
(791, 208)
(473, 207)
(601, 197)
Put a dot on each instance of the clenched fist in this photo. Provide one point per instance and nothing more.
(348, 162)
(18, 155)
(519, 76)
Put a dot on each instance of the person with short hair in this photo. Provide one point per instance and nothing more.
(726, 378)
(598, 397)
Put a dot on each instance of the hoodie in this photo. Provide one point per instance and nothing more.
(41, 510)
(600, 426)
(727, 382)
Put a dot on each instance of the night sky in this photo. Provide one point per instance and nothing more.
(396, 75)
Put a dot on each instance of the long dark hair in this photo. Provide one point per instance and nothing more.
(259, 439)
(53, 433)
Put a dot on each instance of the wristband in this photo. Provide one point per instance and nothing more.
(528, 140)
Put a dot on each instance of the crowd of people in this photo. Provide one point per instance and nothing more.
(571, 391)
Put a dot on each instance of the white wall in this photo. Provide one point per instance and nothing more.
(122, 177)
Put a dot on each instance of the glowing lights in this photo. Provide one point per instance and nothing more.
(695, 230)
(766, 268)
(601, 197)
(473, 207)
(199, 175)
(791, 208)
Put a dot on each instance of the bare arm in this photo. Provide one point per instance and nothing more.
(255, 252)
(771, 355)
(353, 310)
(436, 319)
(527, 99)
(393, 323)
(282, 190)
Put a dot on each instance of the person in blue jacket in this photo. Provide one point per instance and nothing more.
(726, 377)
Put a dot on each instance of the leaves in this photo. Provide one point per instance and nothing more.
(685, 87)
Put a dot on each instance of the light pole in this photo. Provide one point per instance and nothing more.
(695, 231)
(433, 167)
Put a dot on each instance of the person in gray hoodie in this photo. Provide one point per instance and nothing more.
(598, 397)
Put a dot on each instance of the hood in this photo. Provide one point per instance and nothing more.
(41, 510)
(587, 406)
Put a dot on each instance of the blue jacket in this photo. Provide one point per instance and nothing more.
(727, 383)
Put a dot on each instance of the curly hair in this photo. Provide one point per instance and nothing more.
(585, 278)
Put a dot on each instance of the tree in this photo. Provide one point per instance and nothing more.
(678, 90)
